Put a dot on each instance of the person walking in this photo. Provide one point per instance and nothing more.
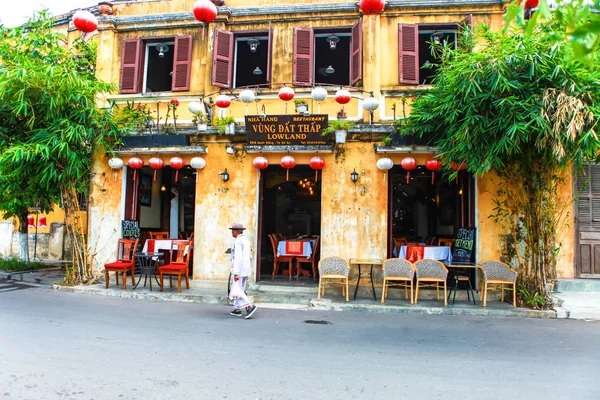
(241, 260)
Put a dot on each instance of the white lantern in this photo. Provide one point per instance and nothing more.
(247, 96)
(196, 108)
(370, 104)
(198, 163)
(385, 164)
(318, 94)
(115, 163)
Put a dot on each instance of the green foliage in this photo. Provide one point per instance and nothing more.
(338, 125)
(534, 300)
(515, 106)
(13, 264)
(223, 122)
(200, 118)
(132, 116)
(50, 122)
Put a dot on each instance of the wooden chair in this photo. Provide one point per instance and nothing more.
(498, 273)
(400, 241)
(277, 260)
(398, 272)
(179, 264)
(159, 235)
(311, 259)
(335, 269)
(430, 273)
(125, 262)
(280, 236)
(446, 242)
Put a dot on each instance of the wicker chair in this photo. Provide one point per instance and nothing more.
(498, 273)
(159, 235)
(432, 272)
(335, 269)
(398, 272)
(125, 262)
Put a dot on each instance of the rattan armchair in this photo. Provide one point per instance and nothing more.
(398, 272)
(334, 269)
(430, 273)
(500, 274)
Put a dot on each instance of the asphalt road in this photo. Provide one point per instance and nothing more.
(56, 345)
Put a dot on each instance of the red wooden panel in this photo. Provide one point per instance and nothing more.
(408, 53)
(302, 74)
(182, 63)
(222, 73)
(130, 65)
(356, 53)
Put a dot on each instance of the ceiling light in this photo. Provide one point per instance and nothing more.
(253, 43)
(257, 71)
(333, 40)
(330, 70)
(162, 49)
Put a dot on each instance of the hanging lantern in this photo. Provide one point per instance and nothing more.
(176, 163)
(286, 93)
(204, 11)
(458, 168)
(30, 221)
(43, 223)
(155, 163)
(342, 96)
(433, 164)
(85, 21)
(196, 108)
(247, 96)
(288, 162)
(318, 94)
(316, 163)
(260, 163)
(370, 104)
(135, 163)
(197, 163)
(223, 101)
(530, 3)
(372, 6)
(115, 163)
(409, 164)
(385, 164)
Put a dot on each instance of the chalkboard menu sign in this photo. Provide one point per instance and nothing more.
(130, 229)
(464, 246)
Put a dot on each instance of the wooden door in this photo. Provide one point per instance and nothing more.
(587, 212)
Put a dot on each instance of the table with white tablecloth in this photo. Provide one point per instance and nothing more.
(440, 253)
(296, 248)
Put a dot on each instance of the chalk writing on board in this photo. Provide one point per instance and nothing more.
(463, 247)
(130, 229)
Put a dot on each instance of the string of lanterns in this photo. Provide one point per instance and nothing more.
(156, 163)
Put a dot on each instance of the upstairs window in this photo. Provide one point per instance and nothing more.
(414, 49)
(156, 65)
(242, 59)
(327, 56)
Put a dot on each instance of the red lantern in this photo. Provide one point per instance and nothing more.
(135, 163)
(316, 163)
(30, 221)
(260, 163)
(372, 6)
(223, 101)
(457, 167)
(43, 223)
(530, 3)
(204, 11)
(408, 163)
(85, 21)
(155, 163)
(286, 93)
(288, 162)
(342, 96)
(176, 163)
(433, 164)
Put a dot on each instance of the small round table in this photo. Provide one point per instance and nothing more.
(147, 263)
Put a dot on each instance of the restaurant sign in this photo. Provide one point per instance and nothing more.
(284, 130)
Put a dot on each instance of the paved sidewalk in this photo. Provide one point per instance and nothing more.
(578, 305)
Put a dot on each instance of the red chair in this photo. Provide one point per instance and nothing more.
(125, 262)
(179, 264)
(311, 260)
(279, 259)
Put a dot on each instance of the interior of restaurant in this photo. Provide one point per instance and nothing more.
(291, 209)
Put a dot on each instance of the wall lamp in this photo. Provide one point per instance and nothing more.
(354, 176)
(224, 175)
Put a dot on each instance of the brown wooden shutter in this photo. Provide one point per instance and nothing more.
(303, 57)
(222, 73)
(356, 53)
(466, 23)
(269, 55)
(408, 54)
(182, 63)
(130, 65)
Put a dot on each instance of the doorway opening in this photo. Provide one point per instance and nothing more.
(290, 224)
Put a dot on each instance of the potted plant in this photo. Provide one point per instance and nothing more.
(226, 125)
(340, 127)
(201, 122)
(301, 106)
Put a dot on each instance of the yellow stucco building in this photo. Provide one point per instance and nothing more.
(157, 54)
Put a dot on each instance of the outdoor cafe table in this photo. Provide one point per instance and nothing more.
(296, 247)
(159, 244)
(440, 253)
(147, 262)
(359, 262)
(459, 270)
